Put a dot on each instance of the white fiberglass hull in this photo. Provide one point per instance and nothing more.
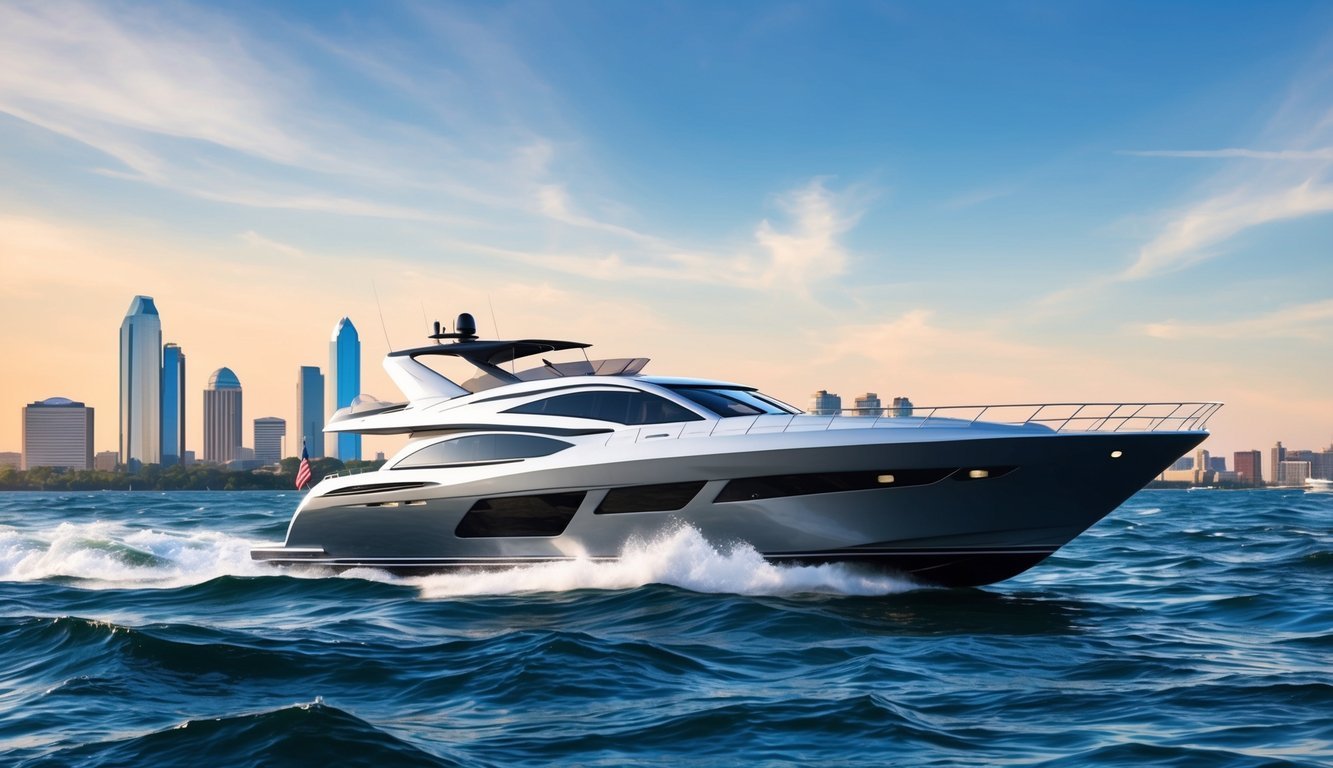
(959, 510)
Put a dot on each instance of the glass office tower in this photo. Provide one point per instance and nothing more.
(141, 384)
(342, 384)
(173, 404)
(309, 412)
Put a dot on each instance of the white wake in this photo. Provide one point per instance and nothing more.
(681, 558)
(104, 555)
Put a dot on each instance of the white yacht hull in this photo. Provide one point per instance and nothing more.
(952, 507)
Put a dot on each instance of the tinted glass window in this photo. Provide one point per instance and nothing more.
(622, 407)
(729, 402)
(474, 448)
(544, 515)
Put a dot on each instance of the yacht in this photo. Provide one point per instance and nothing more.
(576, 459)
(1316, 485)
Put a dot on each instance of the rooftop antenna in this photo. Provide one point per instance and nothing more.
(494, 324)
(513, 366)
(380, 307)
(426, 322)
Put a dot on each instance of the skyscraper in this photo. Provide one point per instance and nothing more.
(173, 404)
(825, 403)
(1276, 455)
(342, 384)
(269, 431)
(57, 432)
(310, 411)
(222, 417)
(1247, 466)
(141, 384)
(869, 405)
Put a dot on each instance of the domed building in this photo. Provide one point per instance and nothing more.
(222, 417)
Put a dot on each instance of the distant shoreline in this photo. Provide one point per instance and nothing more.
(153, 477)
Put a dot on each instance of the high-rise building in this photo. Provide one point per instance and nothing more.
(269, 431)
(57, 432)
(141, 384)
(1182, 464)
(1293, 473)
(310, 411)
(106, 461)
(1247, 465)
(1276, 455)
(825, 403)
(1322, 466)
(173, 404)
(902, 407)
(869, 405)
(1217, 463)
(222, 417)
(342, 384)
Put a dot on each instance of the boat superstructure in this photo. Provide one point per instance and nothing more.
(569, 460)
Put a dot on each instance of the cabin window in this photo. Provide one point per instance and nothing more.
(480, 449)
(664, 497)
(621, 407)
(543, 515)
(726, 402)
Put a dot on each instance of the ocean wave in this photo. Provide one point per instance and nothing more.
(303, 734)
(104, 554)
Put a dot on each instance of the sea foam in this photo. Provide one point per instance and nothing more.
(681, 558)
(107, 555)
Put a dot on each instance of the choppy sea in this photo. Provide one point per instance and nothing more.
(1188, 628)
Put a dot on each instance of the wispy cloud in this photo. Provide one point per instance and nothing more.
(256, 240)
(1190, 235)
(793, 252)
(1291, 178)
(808, 250)
(185, 99)
(106, 78)
(1323, 153)
(1310, 321)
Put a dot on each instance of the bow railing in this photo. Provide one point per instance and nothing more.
(1059, 417)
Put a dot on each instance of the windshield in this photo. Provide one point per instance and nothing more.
(727, 402)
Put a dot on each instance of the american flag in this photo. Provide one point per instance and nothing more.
(303, 472)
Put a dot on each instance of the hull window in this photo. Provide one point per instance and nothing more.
(777, 486)
(543, 515)
(667, 497)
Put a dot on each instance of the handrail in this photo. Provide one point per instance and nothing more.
(1059, 417)
(350, 472)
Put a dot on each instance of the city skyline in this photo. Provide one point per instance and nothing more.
(345, 341)
(1002, 205)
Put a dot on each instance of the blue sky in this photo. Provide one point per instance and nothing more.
(960, 202)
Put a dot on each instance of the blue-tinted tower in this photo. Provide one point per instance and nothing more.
(173, 404)
(342, 384)
(309, 411)
(140, 383)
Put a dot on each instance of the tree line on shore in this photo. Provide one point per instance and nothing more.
(153, 477)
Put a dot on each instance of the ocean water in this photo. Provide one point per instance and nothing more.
(1188, 628)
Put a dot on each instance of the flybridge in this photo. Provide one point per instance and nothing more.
(418, 381)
